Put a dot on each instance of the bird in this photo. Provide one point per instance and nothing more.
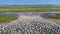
(31, 24)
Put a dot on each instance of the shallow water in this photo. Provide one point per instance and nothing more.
(26, 13)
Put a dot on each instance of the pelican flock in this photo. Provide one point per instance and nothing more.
(30, 24)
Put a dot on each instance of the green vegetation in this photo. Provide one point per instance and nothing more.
(6, 18)
(29, 8)
(53, 17)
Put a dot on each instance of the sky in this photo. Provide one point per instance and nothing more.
(29, 2)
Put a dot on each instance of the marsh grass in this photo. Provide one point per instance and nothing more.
(29, 8)
(7, 18)
(53, 17)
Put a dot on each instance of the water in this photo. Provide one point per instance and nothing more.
(26, 13)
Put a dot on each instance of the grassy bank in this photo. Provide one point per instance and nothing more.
(7, 18)
(28, 8)
(53, 17)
